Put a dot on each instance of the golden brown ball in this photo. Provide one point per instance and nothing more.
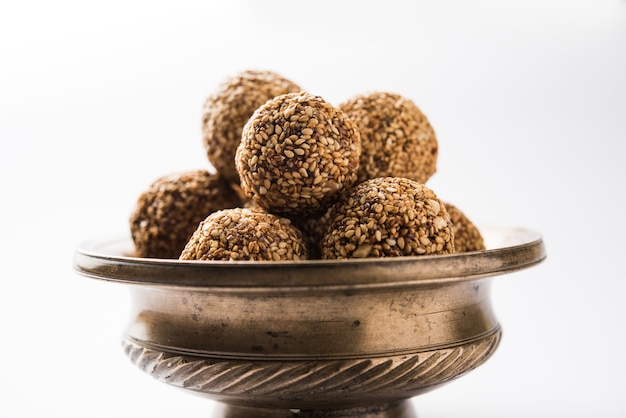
(170, 209)
(297, 154)
(388, 217)
(397, 139)
(313, 230)
(245, 234)
(467, 236)
(227, 109)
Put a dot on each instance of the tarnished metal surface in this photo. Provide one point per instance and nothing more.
(315, 338)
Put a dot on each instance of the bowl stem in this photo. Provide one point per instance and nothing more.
(401, 409)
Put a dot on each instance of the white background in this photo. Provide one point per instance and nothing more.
(528, 100)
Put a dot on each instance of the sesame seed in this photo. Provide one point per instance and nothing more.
(362, 251)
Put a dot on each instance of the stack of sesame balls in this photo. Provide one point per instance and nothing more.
(299, 178)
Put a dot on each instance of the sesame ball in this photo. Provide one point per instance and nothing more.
(467, 236)
(388, 217)
(245, 234)
(313, 230)
(227, 109)
(396, 138)
(169, 210)
(297, 154)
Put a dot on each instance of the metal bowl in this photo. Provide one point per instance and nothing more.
(314, 338)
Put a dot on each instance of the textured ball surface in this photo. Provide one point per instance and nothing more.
(226, 111)
(467, 236)
(297, 154)
(388, 217)
(245, 234)
(167, 213)
(396, 138)
(313, 230)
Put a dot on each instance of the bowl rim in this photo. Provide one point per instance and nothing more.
(109, 259)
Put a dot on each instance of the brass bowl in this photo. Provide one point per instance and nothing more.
(314, 338)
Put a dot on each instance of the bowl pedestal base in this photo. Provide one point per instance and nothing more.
(401, 409)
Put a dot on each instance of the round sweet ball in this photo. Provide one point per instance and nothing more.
(388, 217)
(227, 109)
(396, 138)
(170, 209)
(313, 230)
(245, 234)
(297, 154)
(467, 236)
